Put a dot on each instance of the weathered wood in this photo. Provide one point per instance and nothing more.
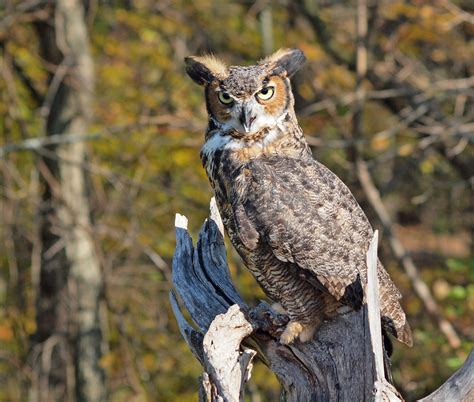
(459, 387)
(372, 292)
(227, 366)
(384, 391)
(337, 365)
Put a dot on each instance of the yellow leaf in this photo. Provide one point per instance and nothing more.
(149, 361)
(427, 12)
(107, 361)
(6, 333)
(427, 166)
(380, 143)
(405, 150)
(438, 55)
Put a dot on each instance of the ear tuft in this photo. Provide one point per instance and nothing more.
(283, 61)
(205, 69)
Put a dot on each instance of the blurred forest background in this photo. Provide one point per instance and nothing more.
(100, 133)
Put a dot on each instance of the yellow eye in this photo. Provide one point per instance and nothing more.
(266, 93)
(225, 98)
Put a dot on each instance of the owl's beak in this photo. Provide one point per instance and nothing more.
(246, 118)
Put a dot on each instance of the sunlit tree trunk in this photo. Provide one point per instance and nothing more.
(266, 29)
(68, 341)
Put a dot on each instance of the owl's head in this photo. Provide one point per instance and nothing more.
(249, 99)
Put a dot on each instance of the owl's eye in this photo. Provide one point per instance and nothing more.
(266, 93)
(225, 98)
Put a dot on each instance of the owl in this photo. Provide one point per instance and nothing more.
(295, 224)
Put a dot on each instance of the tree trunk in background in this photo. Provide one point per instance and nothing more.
(266, 29)
(68, 340)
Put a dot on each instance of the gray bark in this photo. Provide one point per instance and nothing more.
(338, 364)
(68, 340)
(459, 387)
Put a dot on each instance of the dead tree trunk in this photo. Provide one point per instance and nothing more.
(67, 345)
(339, 364)
(344, 362)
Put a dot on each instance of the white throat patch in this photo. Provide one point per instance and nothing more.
(222, 140)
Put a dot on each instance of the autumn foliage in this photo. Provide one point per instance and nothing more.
(143, 166)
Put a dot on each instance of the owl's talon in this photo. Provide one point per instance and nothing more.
(295, 330)
(308, 333)
(291, 332)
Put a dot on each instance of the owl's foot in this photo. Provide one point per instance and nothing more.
(308, 333)
(291, 332)
(294, 329)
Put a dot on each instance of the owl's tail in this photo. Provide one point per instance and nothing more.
(401, 330)
(403, 334)
(394, 319)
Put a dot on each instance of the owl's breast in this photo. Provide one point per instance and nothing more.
(228, 178)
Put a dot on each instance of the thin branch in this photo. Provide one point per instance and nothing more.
(322, 32)
(372, 193)
(420, 287)
(460, 14)
(30, 10)
(455, 86)
(361, 73)
(396, 86)
(27, 82)
(38, 143)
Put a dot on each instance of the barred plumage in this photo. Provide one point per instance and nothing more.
(297, 227)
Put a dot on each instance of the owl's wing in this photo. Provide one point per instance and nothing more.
(308, 217)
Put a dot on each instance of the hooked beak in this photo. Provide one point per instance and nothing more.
(246, 118)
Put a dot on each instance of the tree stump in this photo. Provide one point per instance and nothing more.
(339, 364)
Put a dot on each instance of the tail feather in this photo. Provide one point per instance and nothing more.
(403, 334)
(401, 331)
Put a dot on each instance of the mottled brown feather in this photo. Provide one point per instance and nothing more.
(295, 224)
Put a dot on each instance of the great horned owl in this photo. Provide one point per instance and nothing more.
(297, 227)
